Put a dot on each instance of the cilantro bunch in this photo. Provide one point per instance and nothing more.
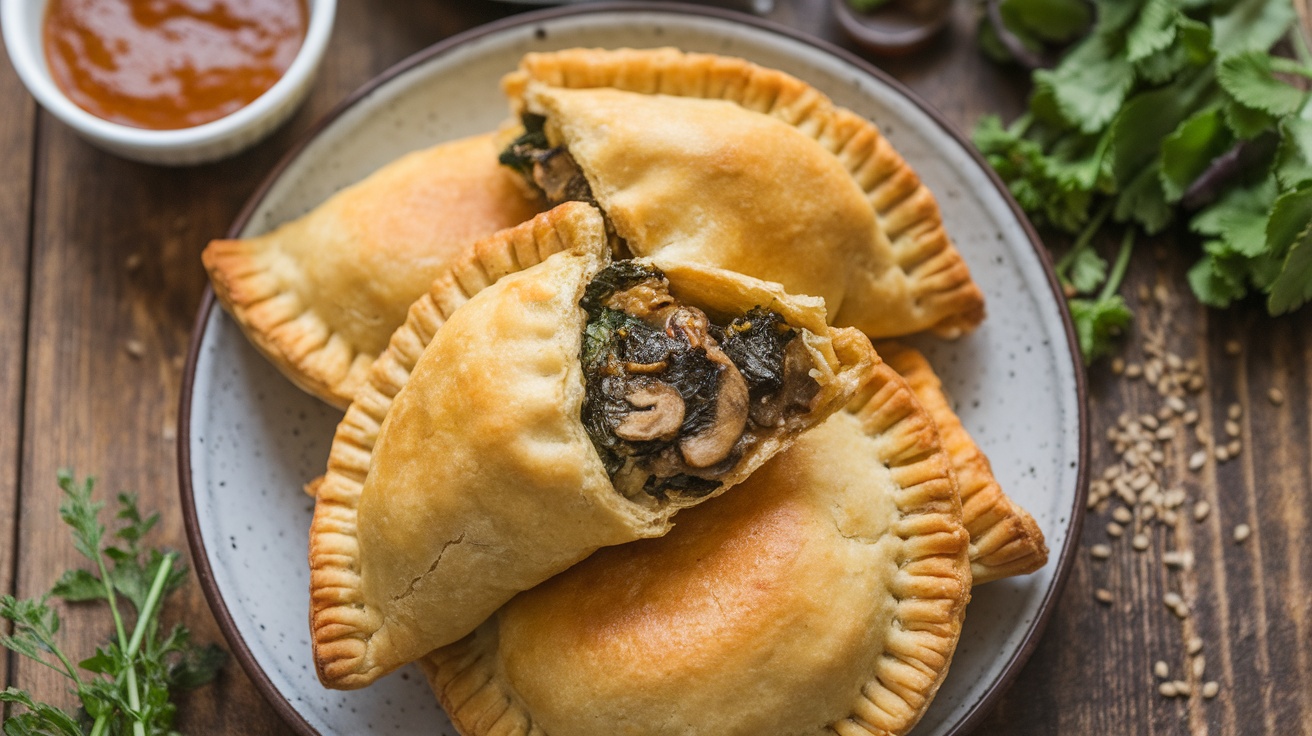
(125, 686)
(1163, 111)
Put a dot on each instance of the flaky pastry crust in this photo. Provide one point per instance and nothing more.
(945, 298)
(824, 595)
(1004, 539)
(319, 296)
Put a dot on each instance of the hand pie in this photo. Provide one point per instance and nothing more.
(1004, 539)
(539, 403)
(320, 295)
(715, 160)
(825, 594)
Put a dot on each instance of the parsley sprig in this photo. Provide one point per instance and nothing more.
(1162, 111)
(125, 686)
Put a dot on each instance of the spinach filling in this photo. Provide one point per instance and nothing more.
(672, 400)
(551, 169)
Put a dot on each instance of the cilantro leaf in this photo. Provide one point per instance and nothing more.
(1248, 79)
(1216, 281)
(1187, 152)
(1294, 157)
(1293, 287)
(1051, 21)
(1152, 31)
(1144, 202)
(1251, 25)
(1239, 219)
(40, 718)
(1087, 270)
(1090, 83)
(1097, 322)
(1290, 216)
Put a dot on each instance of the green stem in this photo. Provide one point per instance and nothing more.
(1118, 270)
(98, 727)
(143, 621)
(1085, 237)
(134, 696)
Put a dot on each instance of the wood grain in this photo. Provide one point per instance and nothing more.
(16, 145)
(89, 403)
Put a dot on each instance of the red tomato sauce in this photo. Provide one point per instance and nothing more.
(167, 64)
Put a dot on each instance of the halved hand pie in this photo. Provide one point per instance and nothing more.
(825, 594)
(714, 160)
(539, 403)
(1004, 538)
(320, 295)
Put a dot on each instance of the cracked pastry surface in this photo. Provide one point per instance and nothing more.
(464, 473)
(825, 595)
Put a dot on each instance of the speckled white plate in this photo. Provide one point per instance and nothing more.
(250, 439)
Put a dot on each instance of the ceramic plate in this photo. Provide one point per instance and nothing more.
(250, 439)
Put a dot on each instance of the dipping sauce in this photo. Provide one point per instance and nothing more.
(167, 64)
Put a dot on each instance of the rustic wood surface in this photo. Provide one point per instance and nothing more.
(100, 279)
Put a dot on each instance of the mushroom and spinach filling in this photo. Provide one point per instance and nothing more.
(549, 168)
(673, 400)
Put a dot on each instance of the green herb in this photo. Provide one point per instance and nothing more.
(1162, 111)
(125, 686)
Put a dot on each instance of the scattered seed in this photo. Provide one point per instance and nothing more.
(1149, 421)
(1169, 517)
(1167, 689)
(1235, 411)
(1183, 688)
(1201, 510)
(1100, 551)
(1276, 396)
(1194, 645)
(1196, 384)
(135, 348)
(1166, 433)
(169, 433)
(1242, 532)
(1152, 372)
(1133, 370)
(1140, 542)
(1118, 366)
(1191, 416)
(1164, 413)
(1157, 456)
(1172, 599)
(1149, 512)
(1160, 294)
(1211, 689)
(1144, 293)
(1234, 447)
(1114, 530)
(1200, 434)
(1176, 403)
(1232, 428)
(1162, 670)
(1111, 472)
(1103, 595)
(133, 262)
(1123, 515)
(1184, 559)
(1233, 348)
(1197, 460)
(1199, 666)
(1222, 453)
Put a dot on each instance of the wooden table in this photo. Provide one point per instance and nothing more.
(100, 280)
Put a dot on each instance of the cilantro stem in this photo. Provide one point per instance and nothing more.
(1085, 237)
(1118, 269)
(152, 599)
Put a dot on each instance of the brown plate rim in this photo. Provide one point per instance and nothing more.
(200, 559)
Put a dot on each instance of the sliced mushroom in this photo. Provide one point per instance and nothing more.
(661, 419)
(797, 392)
(560, 177)
(714, 443)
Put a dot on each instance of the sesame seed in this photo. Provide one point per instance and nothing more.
(1164, 413)
(1144, 294)
(1100, 551)
(1123, 420)
(1197, 460)
(1172, 599)
(1161, 669)
(1197, 383)
(1276, 396)
(1200, 434)
(1222, 453)
(1111, 472)
(1199, 666)
(1242, 532)
(1133, 370)
(1166, 433)
(1174, 361)
(169, 433)
(1181, 611)
(1140, 542)
(1176, 403)
(1235, 411)
(1118, 366)
(1201, 510)
(1182, 688)
(1149, 512)
(1123, 515)
(1211, 689)
(1152, 371)
(1160, 294)
(1149, 421)
(133, 262)
(1234, 447)
(1114, 530)
(1156, 456)
(1194, 646)
(135, 348)
(1167, 689)
(1232, 428)
(1233, 348)
(1191, 416)
(1169, 517)
(1103, 595)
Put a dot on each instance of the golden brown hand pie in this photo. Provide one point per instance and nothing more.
(825, 594)
(1004, 539)
(540, 403)
(716, 160)
(320, 295)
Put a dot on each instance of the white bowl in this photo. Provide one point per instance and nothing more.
(22, 24)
